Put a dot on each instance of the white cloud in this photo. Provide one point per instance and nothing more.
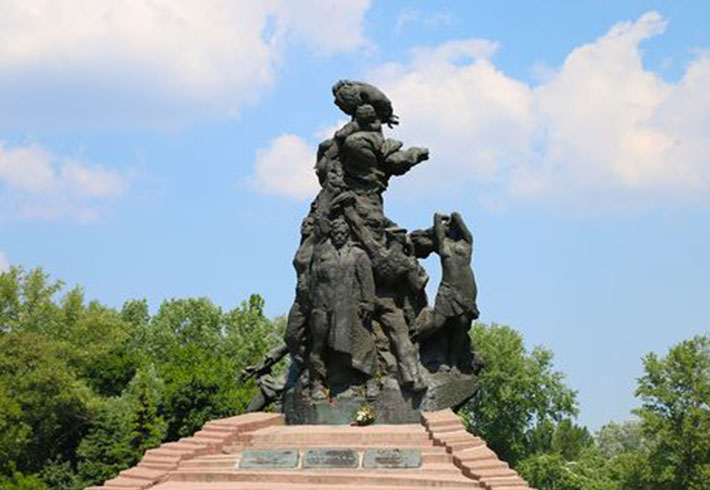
(600, 131)
(476, 120)
(4, 263)
(328, 26)
(38, 184)
(286, 168)
(103, 62)
(601, 127)
(412, 17)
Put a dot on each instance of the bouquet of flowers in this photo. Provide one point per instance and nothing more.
(365, 416)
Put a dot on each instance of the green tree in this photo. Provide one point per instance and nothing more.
(123, 429)
(144, 396)
(79, 396)
(615, 438)
(106, 449)
(553, 472)
(675, 412)
(26, 301)
(19, 481)
(52, 401)
(519, 393)
(15, 433)
(199, 351)
(564, 438)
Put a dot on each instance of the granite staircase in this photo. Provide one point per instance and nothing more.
(448, 458)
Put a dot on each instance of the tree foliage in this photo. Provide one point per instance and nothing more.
(519, 395)
(675, 411)
(85, 389)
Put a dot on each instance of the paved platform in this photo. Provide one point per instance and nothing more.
(447, 458)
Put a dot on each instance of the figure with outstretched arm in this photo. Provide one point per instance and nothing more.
(270, 388)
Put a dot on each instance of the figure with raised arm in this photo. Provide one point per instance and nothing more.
(455, 305)
(398, 275)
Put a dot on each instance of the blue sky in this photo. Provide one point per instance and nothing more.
(164, 149)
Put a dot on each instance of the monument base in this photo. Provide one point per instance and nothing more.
(392, 405)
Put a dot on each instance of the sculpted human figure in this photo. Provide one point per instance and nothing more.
(342, 292)
(299, 312)
(360, 329)
(367, 158)
(350, 95)
(397, 275)
(455, 306)
(270, 388)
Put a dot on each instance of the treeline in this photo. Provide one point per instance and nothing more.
(85, 389)
(525, 413)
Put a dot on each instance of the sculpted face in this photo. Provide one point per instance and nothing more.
(307, 226)
(347, 97)
(366, 113)
(339, 232)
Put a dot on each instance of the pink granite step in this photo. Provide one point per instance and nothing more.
(327, 477)
(288, 486)
(318, 435)
(451, 458)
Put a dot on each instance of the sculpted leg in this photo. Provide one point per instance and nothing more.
(460, 355)
(406, 352)
(319, 336)
(296, 332)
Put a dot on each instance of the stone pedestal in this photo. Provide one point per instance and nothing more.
(393, 405)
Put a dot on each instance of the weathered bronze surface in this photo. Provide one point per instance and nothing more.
(361, 331)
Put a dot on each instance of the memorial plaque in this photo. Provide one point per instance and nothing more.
(269, 459)
(391, 458)
(331, 458)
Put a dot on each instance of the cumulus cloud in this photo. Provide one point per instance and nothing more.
(598, 132)
(409, 17)
(4, 263)
(286, 168)
(107, 62)
(329, 26)
(599, 126)
(38, 184)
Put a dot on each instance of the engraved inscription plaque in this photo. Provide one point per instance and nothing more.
(269, 459)
(331, 458)
(391, 458)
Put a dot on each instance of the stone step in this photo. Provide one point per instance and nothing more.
(429, 454)
(157, 466)
(291, 486)
(347, 435)
(328, 477)
(143, 473)
(128, 483)
(496, 482)
(341, 429)
(487, 464)
(232, 464)
(475, 454)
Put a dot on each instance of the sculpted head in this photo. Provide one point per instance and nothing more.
(452, 230)
(307, 226)
(339, 231)
(396, 237)
(347, 96)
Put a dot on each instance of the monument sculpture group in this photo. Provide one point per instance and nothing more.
(361, 331)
